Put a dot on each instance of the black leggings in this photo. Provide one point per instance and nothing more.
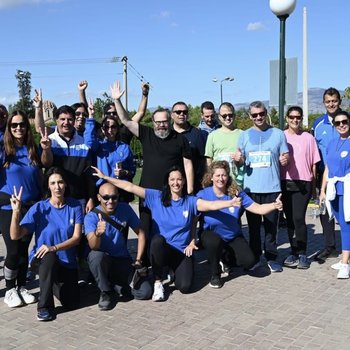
(295, 206)
(238, 251)
(16, 261)
(163, 254)
(56, 279)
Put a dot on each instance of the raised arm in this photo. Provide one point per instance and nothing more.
(45, 143)
(116, 94)
(143, 104)
(82, 86)
(39, 113)
(124, 185)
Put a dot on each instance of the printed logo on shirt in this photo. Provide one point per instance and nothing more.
(121, 154)
(231, 209)
(344, 154)
(185, 214)
(71, 221)
(324, 133)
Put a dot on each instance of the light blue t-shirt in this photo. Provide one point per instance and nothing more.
(174, 223)
(224, 222)
(261, 150)
(112, 241)
(53, 226)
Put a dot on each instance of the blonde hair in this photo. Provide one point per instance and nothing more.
(231, 186)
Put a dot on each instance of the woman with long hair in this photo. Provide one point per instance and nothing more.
(173, 212)
(20, 167)
(222, 231)
(298, 181)
(57, 224)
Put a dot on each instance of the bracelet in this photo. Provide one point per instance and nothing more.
(55, 247)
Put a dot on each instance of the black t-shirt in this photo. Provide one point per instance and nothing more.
(159, 155)
(125, 134)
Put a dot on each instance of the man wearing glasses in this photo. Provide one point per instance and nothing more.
(222, 144)
(324, 131)
(264, 149)
(179, 116)
(109, 260)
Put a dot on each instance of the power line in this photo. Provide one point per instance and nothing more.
(64, 61)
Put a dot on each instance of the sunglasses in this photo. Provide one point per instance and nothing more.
(83, 114)
(298, 117)
(255, 115)
(107, 127)
(107, 197)
(227, 116)
(111, 114)
(342, 122)
(16, 125)
(180, 111)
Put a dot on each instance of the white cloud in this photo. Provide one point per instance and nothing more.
(252, 26)
(164, 14)
(14, 3)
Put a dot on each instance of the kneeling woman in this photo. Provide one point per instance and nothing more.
(173, 212)
(57, 223)
(222, 231)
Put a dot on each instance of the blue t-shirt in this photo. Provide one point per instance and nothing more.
(174, 223)
(112, 241)
(53, 226)
(261, 150)
(338, 160)
(224, 221)
(21, 172)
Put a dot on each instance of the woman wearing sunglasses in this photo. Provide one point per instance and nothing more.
(335, 190)
(113, 156)
(20, 167)
(173, 211)
(298, 183)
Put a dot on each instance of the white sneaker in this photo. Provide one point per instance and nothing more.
(12, 298)
(344, 271)
(336, 266)
(158, 293)
(27, 297)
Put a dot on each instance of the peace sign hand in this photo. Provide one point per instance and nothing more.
(16, 199)
(45, 142)
(38, 100)
(91, 108)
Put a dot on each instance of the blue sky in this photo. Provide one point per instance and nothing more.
(178, 46)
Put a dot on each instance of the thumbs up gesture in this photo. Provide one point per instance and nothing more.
(101, 226)
(278, 203)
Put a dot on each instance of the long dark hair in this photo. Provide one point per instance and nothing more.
(166, 192)
(55, 170)
(9, 140)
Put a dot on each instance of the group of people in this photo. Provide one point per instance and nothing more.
(196, 183)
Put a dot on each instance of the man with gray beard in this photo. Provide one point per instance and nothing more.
(162, 148)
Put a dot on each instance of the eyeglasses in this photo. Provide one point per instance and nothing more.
(342, 122)
(83, 114)
(298, 117)
(16, 125)
(160, 122)
(255, 115)
(106, 127)
(180, 111)
(111, 114)
(107, 197)
(227, 116)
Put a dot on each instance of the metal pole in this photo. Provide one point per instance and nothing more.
(221, 91)
(125, 81)
(282, 73)
(305, 84)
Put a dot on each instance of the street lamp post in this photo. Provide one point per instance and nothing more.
(282, 9)
(221, 81)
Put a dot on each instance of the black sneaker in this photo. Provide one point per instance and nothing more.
(215, 282)
(326, 253)
(107, 301)
(45, 315)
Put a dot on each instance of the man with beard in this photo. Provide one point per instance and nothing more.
(162, 147)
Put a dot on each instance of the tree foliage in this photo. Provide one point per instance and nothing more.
(24, 91)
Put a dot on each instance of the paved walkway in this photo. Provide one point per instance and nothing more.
(295, 309)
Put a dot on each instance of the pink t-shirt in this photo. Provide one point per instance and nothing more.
(303, 153)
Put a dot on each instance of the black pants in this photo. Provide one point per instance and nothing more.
(295, 206)
(237, 251)
(162, 254)
(328, 227)
(16, 261)
(109, 271)
(56, 279)
(270, 222)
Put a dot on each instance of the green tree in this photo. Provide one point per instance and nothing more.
(24, 91)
